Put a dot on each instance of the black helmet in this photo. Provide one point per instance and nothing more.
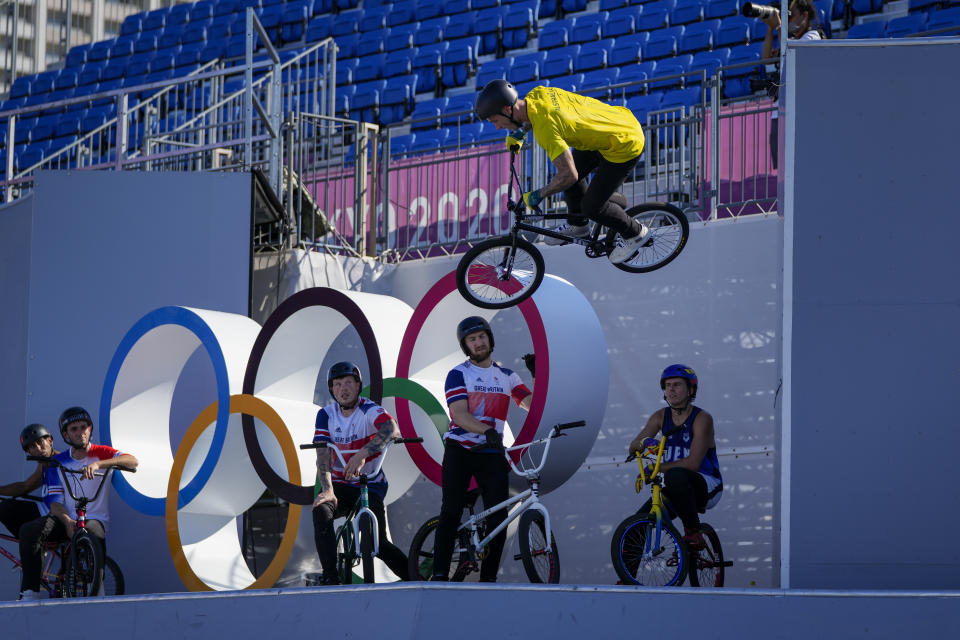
(494, 97)
(31, 433)
(472, 325)
(73, 414)
(342, 369)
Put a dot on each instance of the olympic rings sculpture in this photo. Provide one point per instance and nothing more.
(265, 379)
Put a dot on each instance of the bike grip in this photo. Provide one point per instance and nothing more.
(630, 457)
(571, 425)
(407, 440)
(42, 459)
(127, 469)
(314, 445)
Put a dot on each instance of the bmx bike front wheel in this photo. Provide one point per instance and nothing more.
(500, 272)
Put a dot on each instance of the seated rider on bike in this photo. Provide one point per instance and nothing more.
(351, 422)
(580, 135)
(692, 481)
(478, 394)
(76, 427)
(35, 441)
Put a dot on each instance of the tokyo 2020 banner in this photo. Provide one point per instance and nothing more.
(245, 440)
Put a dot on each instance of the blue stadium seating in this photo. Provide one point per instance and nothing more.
(559, 62)
(526, 68)
(400, 37)
(612, 5)
(369, 67)
(687, 11)
(426, 64)
(497, 69)
(699, 36)
(460, 61)
(374, 19)
(596, 83)
(555, 34)
(587, 28)
(906, 25)
(875, 29)
(733, 31)
(593, 55)
(346, 67)
(399, 63)
(621, 22)
(460, 25)
(644, 104)
(430, 31)
(429, 141)
(427, 9)
(652, 18)
(426, 114)
(629, 49)
(721, 9)
(317, 29)
(662, 43)
(77, 55)
(573, 6)
(366, 99)
(396, 101)
(676, 65)
(708, 61)
(347, 22)
(468, 134)
(372, 42)
(401, 13)
(863, 7)
(459, 110)
(944, 19)
(571, 82)
(488, 25)
(686, 98)
(637, 73)
(400, 145)
(519, 23)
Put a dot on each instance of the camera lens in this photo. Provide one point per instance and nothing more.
(761, 11)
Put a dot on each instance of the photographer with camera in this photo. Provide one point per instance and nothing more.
(803, 24)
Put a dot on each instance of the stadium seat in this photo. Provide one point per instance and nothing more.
(519, 23)
(427, 9)
(369, 67)
(430, 31)
(863, 7)
(637, 73)
(733, 31)
(89, 75)
(555, 34)
(430, 141)
(662, 43)
(596, 83)
(721, 9)
(346, 23)
(944, 19)
(652, 18)
(459, 110)
(77, 55)
(460, 61)
(875, 29)
(401, 13)
(907, 25)
(612, 5)
(399, 63)
(427, 113)
(366, 100)
(466, 135)
(571, 82)
(682, 98)
(317, 29)
(396, 101)
(644, 104)
(559, 62)
(687, 11)
(573, 6)
(427, 64)
(629, 49)
(677, 65)
(497, 69)
(593, 55)
(526, 68)
(587, 28)
(621, 22)
(708, 62)
(347, 45)
(69, 125)
(488, 26)
(699, 36)
(460, 25)
(400, 37)
(66, 80)
(400, 145)
(293, 21)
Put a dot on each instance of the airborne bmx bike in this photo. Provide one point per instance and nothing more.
(538, 549)
(504, 271)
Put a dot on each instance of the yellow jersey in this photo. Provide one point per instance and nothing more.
(562, 120)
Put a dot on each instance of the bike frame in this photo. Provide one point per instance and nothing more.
(48, 578)
(656, 500)
(528, 499)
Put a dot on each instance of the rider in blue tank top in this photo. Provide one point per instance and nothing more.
(692, 480)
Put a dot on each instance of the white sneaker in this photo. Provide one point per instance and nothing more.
(625, 248)
(575, 230)
(29, 595)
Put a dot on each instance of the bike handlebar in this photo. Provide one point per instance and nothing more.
(57, 463)
(555, 432)
(333, 446)
(81, 500)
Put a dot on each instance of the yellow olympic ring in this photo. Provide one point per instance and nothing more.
(252, 406)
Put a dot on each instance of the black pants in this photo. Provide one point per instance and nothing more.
(36, 533)
(491, 472)
(15, 513)
(592, 200)
(326, 540)
(687, 492)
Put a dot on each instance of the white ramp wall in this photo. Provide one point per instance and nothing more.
(871, 311)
